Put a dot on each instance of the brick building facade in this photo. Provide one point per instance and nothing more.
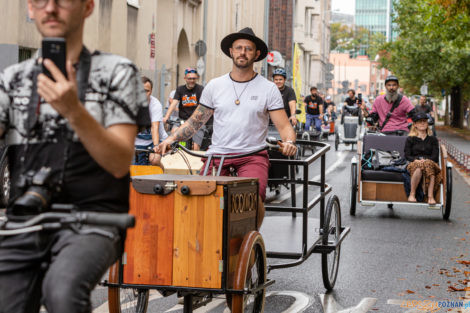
(280, 27)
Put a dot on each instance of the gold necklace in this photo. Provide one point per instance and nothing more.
(237, 101)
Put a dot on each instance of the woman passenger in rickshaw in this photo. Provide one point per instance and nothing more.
(422, 151)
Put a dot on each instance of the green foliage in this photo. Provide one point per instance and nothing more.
(348, 39)
(432, 46)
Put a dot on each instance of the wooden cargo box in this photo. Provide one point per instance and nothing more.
(188, 229)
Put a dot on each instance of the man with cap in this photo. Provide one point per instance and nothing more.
(242, 103)
(186, 98)
(288, 94)
(391, 109)
(314, 109)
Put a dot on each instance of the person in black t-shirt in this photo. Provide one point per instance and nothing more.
(422, 151)
(288, 94)
(351, 100)
(313, 109)
(424, 107)
(187, 99)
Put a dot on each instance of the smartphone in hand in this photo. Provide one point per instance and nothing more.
(359, 97)
(53, 48)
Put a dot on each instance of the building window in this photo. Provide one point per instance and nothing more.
(134, 3)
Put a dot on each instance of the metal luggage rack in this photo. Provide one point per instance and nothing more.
(307, 246)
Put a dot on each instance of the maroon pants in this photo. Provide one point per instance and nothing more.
(256, 166)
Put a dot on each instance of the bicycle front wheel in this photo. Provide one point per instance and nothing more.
(125, 300)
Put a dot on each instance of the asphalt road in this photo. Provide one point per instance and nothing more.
(390, 255)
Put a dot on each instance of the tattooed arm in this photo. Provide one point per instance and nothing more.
(188, 129)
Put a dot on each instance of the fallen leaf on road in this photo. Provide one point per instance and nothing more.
(453, 288)
(401, 278)
(463, 262)
(466, 273)
(410, 291)
(427, 287)
(435, 284)
(431, 297)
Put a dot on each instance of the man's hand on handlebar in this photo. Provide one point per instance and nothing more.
(288, 148)
(164, 146)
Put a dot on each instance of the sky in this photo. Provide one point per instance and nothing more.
(343, 6)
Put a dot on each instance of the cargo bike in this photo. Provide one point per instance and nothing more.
(370, 187)
(196, 235)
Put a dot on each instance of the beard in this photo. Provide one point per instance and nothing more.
(248, 63)
(391, 96)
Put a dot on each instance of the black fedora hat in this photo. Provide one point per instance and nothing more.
(245, 33)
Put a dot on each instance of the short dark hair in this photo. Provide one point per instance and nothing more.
(352, 90)
(313, 88)
(145, 80)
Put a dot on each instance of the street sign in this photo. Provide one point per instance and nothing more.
(328, 84)
(424, 89)
(200, 66)
(330, 67)
(275, 58)
(329, 76)
(270, 58)
(201, 48)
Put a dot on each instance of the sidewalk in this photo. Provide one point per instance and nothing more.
(460, 141)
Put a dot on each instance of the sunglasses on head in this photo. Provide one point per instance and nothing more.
(190, 70)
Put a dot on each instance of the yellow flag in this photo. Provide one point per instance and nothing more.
(298, 83)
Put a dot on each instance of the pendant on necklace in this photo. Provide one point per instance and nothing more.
(237, 102)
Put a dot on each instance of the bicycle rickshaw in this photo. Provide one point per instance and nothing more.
(350, 128)
(369, 187)
(196, 235)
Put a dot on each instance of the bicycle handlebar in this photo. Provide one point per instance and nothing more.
(174, 146)
(120, 220)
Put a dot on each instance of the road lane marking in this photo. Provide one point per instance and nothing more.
(301, 303)
(330, 305)
(299, 189)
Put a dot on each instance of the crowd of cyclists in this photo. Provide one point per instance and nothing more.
(84, 125)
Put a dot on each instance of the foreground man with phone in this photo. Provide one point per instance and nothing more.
(81, 128)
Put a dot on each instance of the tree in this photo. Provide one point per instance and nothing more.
(358, 40)
(432, 47)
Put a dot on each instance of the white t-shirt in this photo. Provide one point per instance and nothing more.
(240, 128)
(156, 115)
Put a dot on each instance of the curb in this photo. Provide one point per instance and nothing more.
(449, 129)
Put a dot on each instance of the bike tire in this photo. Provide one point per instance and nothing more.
(125, 300)
(252, 259)
(353, 190)
(448, 204)
(331, 231)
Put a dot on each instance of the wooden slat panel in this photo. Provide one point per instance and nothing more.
(369, 191)
(149, 245)
(391, 192)
(198, 224)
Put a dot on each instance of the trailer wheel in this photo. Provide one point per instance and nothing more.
(353, 190)
(446, 207)
(331, 232)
